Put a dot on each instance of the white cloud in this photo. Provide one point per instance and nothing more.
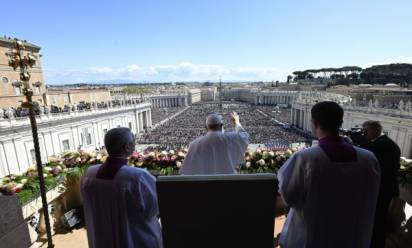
(184, 71)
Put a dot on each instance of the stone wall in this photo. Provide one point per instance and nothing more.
(14, 230)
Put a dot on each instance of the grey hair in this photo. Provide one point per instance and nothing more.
(116, 139)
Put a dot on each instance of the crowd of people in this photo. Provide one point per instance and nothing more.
(280, 114)
(182, 129)
(160, 114)
(330, 203)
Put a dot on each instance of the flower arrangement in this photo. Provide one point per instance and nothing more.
(72, 166)
(55, 171)
(26, 185)
(164, 162)
(264, 160)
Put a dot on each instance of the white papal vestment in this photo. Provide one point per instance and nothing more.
(216, 153)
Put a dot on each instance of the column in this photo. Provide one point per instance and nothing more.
(297, 116)
(150, 117)
(291, 116)
(136, 115)
(301, 119)
(141, 121)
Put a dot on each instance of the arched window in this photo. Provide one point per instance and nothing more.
(17, 87)
(36, 87)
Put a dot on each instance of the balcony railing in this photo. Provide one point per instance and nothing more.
(42, 118)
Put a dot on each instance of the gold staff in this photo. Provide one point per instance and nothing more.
(23, 62)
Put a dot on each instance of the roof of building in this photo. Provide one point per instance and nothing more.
(9, 40)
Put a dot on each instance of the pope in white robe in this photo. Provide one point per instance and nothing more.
(217, 152)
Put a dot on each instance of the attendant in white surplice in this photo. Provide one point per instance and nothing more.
(217, 152)
(331, 188)
(120, 202)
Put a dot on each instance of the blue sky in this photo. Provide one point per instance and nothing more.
(184, 40)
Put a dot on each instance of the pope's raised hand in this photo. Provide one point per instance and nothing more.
(234, 117)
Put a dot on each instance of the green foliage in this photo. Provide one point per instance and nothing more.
(392, 73)
(136, 90)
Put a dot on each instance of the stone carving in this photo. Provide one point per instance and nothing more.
(376, 103)
(401, 105)
(408, 106)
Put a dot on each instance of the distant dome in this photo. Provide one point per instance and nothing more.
(365, 85)
(391, 85)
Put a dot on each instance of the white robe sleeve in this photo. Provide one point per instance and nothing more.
(244, 136)
(145, 196)
(187, 162)
(291, 178)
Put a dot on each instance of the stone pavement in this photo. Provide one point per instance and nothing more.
(77, 238)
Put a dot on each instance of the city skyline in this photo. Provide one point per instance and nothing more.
(158, 41)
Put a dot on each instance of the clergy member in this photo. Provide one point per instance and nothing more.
(388, 154)
(331, 188)
(217, 152)
(120, 202)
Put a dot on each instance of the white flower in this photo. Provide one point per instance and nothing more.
(171, 152)
(248, 164)
(78, 159)
(44, 175)
(19, 174)
(47, 168)
(178, 164)
(19, 186)
(271, 153)
(151, 154)
(23, 181)
(164, 153)
(99, 156)
(59, 167)
(261, 162)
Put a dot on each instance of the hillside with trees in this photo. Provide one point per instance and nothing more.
(377, 74)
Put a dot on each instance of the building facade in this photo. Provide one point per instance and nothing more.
(11, 88)
(194, 95)
(167, 100)
(397, 123)
(208, 94)
(60, 98)
(65, 132)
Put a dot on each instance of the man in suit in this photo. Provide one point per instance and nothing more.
(388, 154)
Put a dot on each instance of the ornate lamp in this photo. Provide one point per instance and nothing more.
(18, 60)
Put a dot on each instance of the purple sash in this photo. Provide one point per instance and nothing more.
(338, 150)
(109, 168)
